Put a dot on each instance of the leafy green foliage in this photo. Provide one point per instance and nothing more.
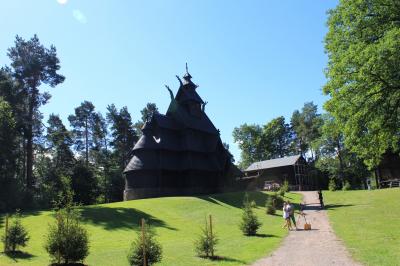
(306, 124)
(277, 200)
(257, 143)
(346, 186)
(270, 206)
(278, 138)
(207, 241)
(84, 124)
(249, 224)
(332, 184)
(8, 156)
(249, 139)
(16, 235)
(152, 247)
(284, 188)
(84, 184)
(147, 113)
(67, 241)
(363, 45)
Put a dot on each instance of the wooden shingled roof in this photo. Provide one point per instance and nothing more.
(274, 163)
(180, 140)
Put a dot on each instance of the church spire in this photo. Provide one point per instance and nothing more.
(187, 77)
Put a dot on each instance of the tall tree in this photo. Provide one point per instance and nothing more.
(7, 141)
(60, 142)
(147, 113)
(14, 94)
(123, 134)
(363, 46)
(306, 125)
(84, 126)
(331, 147)
(278, 138)
(123, 139)
(33, 64)
(249, 138)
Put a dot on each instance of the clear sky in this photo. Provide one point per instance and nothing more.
(253, 60)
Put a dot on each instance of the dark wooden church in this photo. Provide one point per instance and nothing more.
(179, 153)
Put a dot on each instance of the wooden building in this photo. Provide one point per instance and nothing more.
(181, 152)
(388, 172)
(293, 169)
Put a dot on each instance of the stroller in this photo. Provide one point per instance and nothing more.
(307, 226)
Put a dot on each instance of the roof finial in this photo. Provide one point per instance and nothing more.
(187, 71)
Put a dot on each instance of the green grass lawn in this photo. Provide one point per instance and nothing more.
(368, 222)
(177, 221)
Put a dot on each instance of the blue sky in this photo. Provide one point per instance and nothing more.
(253, 60)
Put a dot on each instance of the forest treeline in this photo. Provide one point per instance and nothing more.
(315, 136)
(41, 160)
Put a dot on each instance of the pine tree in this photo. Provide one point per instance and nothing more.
(249, 224)
(32, 65)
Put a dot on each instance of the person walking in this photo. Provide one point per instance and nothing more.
(321, 199)
(286, 216)
(291, 213)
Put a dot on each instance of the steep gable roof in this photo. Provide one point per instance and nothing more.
(274, 163)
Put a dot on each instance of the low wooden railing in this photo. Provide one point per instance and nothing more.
(390, 183)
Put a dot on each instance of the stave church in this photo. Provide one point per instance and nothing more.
(181, 152)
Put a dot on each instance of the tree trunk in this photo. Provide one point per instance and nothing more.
(341, 167)
(86, 142)
(29, 145)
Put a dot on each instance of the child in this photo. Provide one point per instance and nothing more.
(286, 216)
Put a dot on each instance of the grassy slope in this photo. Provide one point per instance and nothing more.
(177, 221)
(369, 223)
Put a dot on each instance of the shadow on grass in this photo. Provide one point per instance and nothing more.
(336, 206)
(235, 199)
(119, 218)
(19, 255)
(222, 258)
(69, 264)
(264, 235)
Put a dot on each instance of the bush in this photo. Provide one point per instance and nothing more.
(67, 241)
(205, 245)
(284, 188)
(16, 235)
(250, 223)
(152, 247)
(270, 206)
(332, 185)
(253, 204)
(346, 186)
(277, 201)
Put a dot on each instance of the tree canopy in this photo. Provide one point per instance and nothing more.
(363, 45)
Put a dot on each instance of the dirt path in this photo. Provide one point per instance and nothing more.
(317, 247)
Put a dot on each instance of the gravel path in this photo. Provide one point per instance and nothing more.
(320, 246)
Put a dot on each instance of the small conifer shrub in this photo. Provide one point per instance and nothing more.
(205, 245)
(145, 241)
(67, 241)
(249, 224)
(16, 235)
